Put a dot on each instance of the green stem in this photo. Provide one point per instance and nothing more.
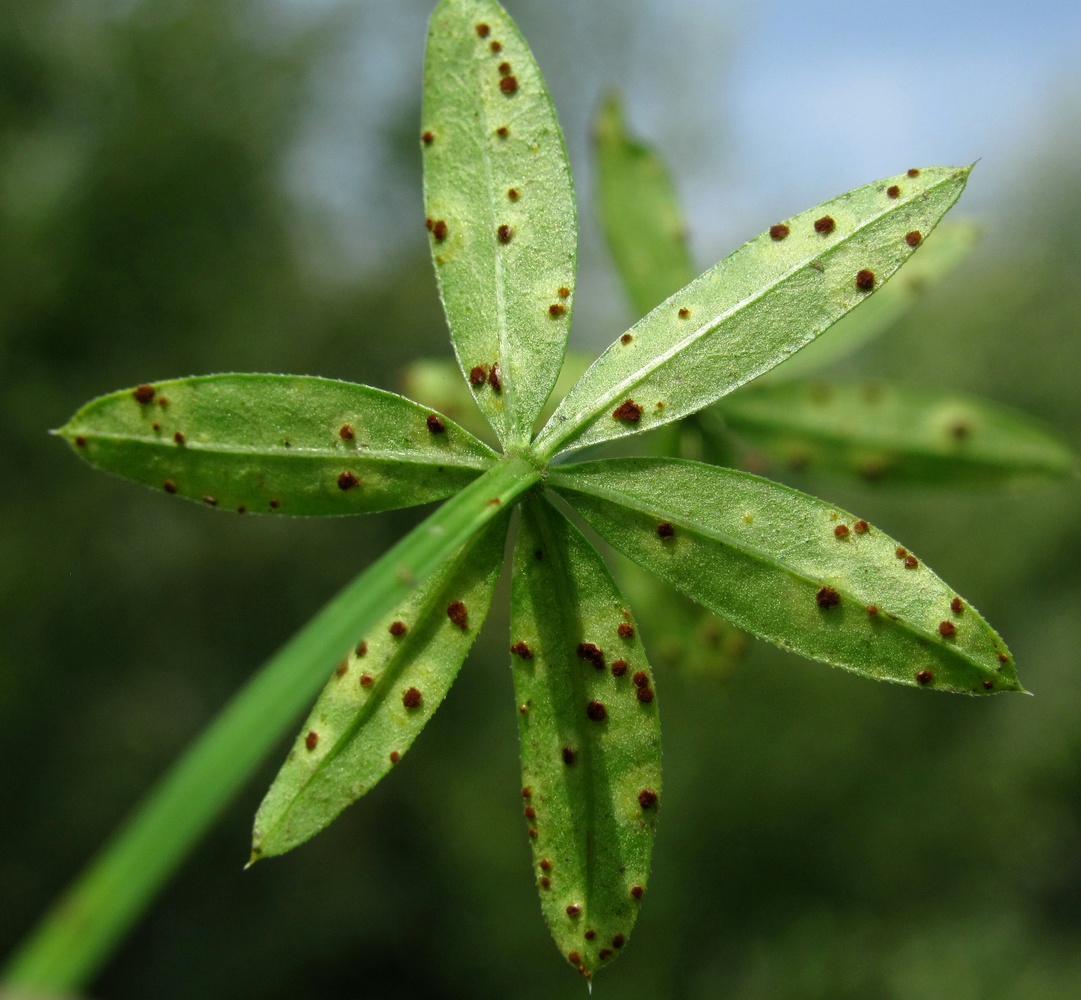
(78, 934)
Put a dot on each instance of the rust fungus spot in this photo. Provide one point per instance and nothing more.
(647, 798)
(841, 530)
(163, 401)
(428, 138)
(625, 630)
(346, 433)
(572, 956)
(924, 677)
(911, 562)
(546, 865)
(640, 679)
(861, 527)
(311, 740)
(590, 934)
(1003, 658)
(428, 223)
(527, 792)
(504, 69)
(618, 941)
(503, 132)
(893, 191)
(825, 224)
(596, 711)
(960, 430)
(155, 426)
(179, 438)
(522, 649)
(504, 233)
(483, 30)
(524, 709)
(545, 882)
(512, 194)
(957, 605)
(947, 629)
(397, 628)
(779, 231)
(395, 756)
(439, 230)
(665, 530)
(591, 654)
(478, 375)
(865, 280)
(604, 953)
(900, 552)
(495, 378)
(80, 441)
(644, 695)
(872, 609)
(683, 313)
(274, 504)
(210, 501)
(242, 510)
(435, 425)
(457, 613)
(626, 338)
(914, 238)
(827, 598)
(556, 309)
(366, 680)
(637, 891)
(530, 812)
(568, 756)
(342, 668)
(362, 648)
(143, 393)
(574, 910)
(619, 668)
(496, 47)
(988, 685)
(509, 84)
(913, 172)
(628, 411)
(411, 698)
(564, 293)
(346, 481)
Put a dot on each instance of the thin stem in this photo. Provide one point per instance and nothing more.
(76, 937)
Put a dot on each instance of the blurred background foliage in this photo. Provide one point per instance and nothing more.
(823, 837)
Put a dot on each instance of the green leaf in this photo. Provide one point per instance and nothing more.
(640, 213)
(285, 443)
(500, 204)
(792, 569)
(380, 697)
(752, 310)
(937, 258)
(590, 738)
(902, 434)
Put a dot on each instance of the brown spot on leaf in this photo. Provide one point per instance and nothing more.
(861, 527)
(428, 138)
(590, 934)
(545, 882)
(872, 609)
(80, 441)
(512, 193)
(591, 653)
(779, 231)
(640, 679)
(957, 605)
(546, 865)
(564, 293)
(522, 649)
(504, 69)
(143, 393)
(683, 313)
(362, 648)
(911, 562)
(496, 47)
(346, 433)
(625, 630)
(924, 677)
(637, 891)
(893, 191)
(504, 233)
(568, 756)
(509, 84)
(574, 910)
(457, 613)
(913, 172)
(210, 501)
(900, 552)
(841, 530)
(435, 424)
(1003, 658)
(439, 230)
(495, 379)
(154, 426)
(865, 280)
(618, 941)
(347, 480)
(626, 338)
(179, 438)
(619, 668)
(169, 486)
(644, 695)
(557, 309)
(825, 224)
(947, 629)
(572, 956)
(988, 685)
(342, 668)
(647, 798)
(503, 132)
(628, 411)
(395, 756)
(274, 504)
(596, 711)
(398, 628)
(530, 812)
(827, 597)
(311, 740)
(665, 530)
(478, 375)
(604, 953)
(483, 30)
(914, 238)
(411, 698)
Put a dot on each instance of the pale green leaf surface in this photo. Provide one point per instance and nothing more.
(640, 213)
(936, 258)
(751, 311)
(502, 299)
(902, 434)
(582, 776)
(760, 554)
(277, 443)
(364, 721)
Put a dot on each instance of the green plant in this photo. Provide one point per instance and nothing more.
(786, 566)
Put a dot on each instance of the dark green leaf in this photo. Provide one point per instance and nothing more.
(285, 443)
(792, 569)
(590, 737)
(500, 205)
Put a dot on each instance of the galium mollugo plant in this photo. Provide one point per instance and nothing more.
(787, 567)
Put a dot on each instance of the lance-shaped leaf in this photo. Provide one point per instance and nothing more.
(501, 213)
(752, 310)
(380, 697)
(792, 569)
(937, 258)
(285, 443)
(895, 432)
(590, 738)
(640, 213)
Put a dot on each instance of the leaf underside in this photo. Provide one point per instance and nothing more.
(380, 697)
(284, 444)
(590, 737)
(500, 205)
(900, 434)
(791, 569)
(756, 307)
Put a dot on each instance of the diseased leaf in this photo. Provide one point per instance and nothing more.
(639, 212)
(289, 444)
(380, 697)
(880, 431)
(937, 258)
(752, 310)
(590, 737)
(792, 569)
(501, 212)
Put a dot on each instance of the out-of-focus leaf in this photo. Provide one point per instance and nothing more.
(752, 310)
(380, 697)
(640, 213)
(285, 443)
(791, 569)
(501, 211)
(590, 737)
(902, 434)
(949, 247)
